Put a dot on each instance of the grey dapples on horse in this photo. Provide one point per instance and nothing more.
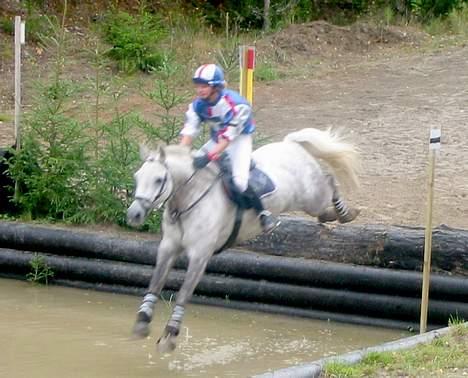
(198, 216)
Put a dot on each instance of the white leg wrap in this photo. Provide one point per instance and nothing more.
(147, 306)
(177, 316)
(341, 207)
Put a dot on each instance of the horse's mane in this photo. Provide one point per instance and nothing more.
(178, 150)
(171, 151)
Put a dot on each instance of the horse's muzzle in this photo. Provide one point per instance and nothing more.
(136, 214)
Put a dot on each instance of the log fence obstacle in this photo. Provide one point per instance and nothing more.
(279, 279)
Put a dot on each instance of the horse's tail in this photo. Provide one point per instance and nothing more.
(328, 146)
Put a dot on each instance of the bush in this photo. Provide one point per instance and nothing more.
(458, 20)
(427, 9)
(7, 25)
(63, 177)
(134, 40)
(52, 154)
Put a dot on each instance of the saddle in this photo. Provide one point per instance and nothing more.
(259, 181)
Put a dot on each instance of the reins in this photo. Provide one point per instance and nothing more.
(176, 214)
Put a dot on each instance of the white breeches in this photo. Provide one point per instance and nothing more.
(239, 151)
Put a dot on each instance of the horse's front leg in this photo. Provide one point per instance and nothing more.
(195, 271)
(167, 254)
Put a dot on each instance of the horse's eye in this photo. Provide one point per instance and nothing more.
(158, 181)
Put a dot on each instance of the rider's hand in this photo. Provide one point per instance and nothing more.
(200, 162)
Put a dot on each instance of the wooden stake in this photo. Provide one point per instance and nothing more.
(266, 15)
(434, 144)
(242, 70)
(227, 25)
(18, 39)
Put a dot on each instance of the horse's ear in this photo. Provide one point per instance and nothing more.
(162, 154)
(144, 152)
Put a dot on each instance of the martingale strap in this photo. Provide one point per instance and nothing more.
(235, 231)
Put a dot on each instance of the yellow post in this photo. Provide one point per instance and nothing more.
(250, 73)
(247, 67)
(434, 144)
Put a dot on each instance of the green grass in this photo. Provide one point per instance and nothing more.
(5, 117)
(40, 272)
(458, 20)
(7, 25)
(266, 72)
(442, 355)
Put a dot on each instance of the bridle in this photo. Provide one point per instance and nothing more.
(149, 204)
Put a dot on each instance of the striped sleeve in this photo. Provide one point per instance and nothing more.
(237, 123)
(192, 123)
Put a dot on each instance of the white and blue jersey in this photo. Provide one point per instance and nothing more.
(228, 117)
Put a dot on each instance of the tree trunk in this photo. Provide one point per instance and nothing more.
(266, 15)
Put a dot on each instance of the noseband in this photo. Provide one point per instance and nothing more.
(148, 204)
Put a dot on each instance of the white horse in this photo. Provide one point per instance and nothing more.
(198, 216)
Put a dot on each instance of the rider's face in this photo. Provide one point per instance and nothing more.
(205, 91)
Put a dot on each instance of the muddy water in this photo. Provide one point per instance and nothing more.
(63, 332)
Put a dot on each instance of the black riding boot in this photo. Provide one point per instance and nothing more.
(267, 220)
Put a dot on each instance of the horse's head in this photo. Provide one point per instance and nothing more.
(153, 185)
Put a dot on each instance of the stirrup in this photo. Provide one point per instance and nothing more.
(268, 222)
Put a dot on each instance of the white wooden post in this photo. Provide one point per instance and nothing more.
(19, 40)
(434, 145)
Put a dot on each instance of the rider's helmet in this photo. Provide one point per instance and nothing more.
(210, 74)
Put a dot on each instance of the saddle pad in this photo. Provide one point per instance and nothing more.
(261, 183)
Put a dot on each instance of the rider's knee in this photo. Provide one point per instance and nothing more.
(240, 183)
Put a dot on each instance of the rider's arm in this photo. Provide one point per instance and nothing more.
(191, 127)
(186, 140)
(218, 148)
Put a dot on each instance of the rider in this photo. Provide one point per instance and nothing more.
(230, 118)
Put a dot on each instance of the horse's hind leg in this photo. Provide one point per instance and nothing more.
(166, 256)
(340, 209)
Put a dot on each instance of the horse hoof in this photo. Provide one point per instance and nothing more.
(350, 216)
(328, 215)
(167, 343)
(141, 330)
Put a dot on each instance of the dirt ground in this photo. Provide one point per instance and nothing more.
(384, 92)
